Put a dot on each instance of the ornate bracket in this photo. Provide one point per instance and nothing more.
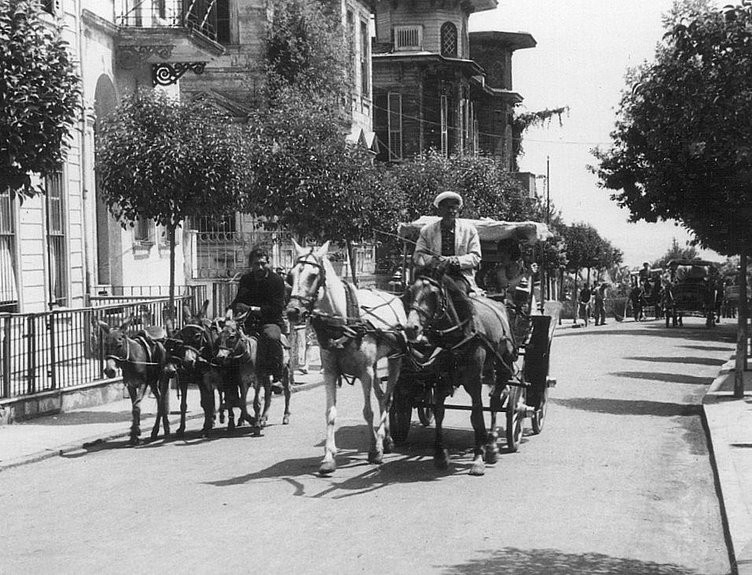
(165, 74)
(130, 56)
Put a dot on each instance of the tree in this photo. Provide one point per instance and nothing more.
(522, 121)
(676, 252)
(586, 249)
(681, 147)
(39, 97)
(166, 160)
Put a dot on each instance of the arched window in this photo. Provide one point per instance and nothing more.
(449, 40)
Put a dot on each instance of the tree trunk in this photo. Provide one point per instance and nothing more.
(576, 297)
(351, 257)
(741, 332)
(171, 303)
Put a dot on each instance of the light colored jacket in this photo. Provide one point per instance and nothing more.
(466, 247)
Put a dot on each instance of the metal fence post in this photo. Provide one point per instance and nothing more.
(6, 359)
(53, 355)
(31, 354)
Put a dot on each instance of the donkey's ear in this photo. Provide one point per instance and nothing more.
(127, 322)
(323, 250)
(298, 250)
(187, 313)
(228, 314)
(204, 308)
(105, 327)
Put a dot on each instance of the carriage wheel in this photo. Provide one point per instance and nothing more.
(515, 417)
(400, 415)
(540, 413)
(425, 410)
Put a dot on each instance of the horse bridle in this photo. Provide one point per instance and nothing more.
(308, 302)
(436, 316)
(205, 339)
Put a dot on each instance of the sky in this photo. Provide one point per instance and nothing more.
(584, 48)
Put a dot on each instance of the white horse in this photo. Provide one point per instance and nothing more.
(355, 328)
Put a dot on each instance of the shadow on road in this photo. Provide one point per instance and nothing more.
(725, 334)
(682, 360)
(664, 377)
(513, 561)
(410, 463)
(629, 407)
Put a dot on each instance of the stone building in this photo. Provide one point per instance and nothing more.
(58, 249)
(436, 85)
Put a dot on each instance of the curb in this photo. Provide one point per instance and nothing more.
(82, 444)
(717, 410)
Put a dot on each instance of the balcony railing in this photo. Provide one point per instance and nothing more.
(198, 15)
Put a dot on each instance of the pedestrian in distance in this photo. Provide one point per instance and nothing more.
(600, 304)
(584, 303)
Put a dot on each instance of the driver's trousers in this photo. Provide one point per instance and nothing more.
(270, 349)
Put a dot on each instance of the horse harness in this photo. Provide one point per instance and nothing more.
(148, 344)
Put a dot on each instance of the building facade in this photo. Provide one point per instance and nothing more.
(60, 248)
(438, 86)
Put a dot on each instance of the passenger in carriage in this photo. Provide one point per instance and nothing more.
(450, 244)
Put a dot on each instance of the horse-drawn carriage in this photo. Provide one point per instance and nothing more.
(693, 290)
(516, 380)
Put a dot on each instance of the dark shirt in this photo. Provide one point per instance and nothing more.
(585, 295)
(267, 292)
(447, 240)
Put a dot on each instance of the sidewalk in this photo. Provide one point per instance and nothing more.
(729, 424)
(42, 437)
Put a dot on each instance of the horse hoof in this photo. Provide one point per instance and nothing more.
(327, 468)
(478, 468)
(133, 441)
(375, 457)
(262, 421)
(388, 444)
(286, 419)
(441, 459)
(180, 432)
(492, 455)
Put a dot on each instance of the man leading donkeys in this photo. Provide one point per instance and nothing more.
(261, 293)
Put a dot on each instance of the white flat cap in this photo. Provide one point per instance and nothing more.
(447, 196)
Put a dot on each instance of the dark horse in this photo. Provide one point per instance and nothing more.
(476, 335)
(190, 351)
(142, 360)
(237, 356)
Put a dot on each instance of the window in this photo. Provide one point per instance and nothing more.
(57, 253)
(444, 126)
(142, 235)
(365, 72)
(449, 40)
(395, 126)
(8, 288)
(223, 21)
(408, 38)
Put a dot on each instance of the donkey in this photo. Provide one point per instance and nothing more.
(142, 360)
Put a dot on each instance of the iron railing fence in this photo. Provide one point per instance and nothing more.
(199, 15)
(61, 348)
(110, 295)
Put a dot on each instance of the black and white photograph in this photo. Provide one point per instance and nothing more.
(304, 287)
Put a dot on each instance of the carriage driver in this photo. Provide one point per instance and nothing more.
(450, 242)
(261, 293)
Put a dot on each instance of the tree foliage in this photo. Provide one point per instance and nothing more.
(677, 252)
(166, 160)
(39, 97)
(682, 146)
(522, 121)
(305, 50)
(586, 249)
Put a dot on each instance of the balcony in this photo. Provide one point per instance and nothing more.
(177, 34)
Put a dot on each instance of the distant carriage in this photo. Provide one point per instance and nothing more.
(693, 291)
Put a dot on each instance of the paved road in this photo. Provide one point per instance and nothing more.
(619, 482)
